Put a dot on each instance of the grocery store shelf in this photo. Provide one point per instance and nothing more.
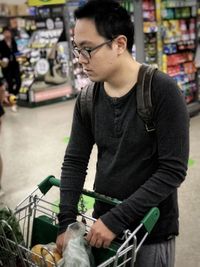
(44, 96)
(193, 108)
(45, 102)
(179, 3)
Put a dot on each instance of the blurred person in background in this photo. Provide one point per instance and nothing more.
(10, 70)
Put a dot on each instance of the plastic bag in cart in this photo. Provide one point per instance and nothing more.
(76, 252)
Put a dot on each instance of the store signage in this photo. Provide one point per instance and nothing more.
(45, 2)
(50, 24)
(42, 66)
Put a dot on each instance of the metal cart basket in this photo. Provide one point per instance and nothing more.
(37, 219)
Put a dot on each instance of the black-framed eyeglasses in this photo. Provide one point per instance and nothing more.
(86, 52)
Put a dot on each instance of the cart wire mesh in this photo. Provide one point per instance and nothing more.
(38, 222)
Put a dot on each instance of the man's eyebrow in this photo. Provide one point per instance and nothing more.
(83, 43)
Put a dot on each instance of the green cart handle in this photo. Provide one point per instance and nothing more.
(47, 183)
(50, 181)
(148, 221)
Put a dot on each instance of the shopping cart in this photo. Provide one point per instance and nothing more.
(37, 218)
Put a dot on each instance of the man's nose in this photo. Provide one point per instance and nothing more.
(82, 59)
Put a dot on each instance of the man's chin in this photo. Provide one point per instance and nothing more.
(94, 79)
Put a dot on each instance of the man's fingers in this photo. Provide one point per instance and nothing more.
(93, 240)
(99, 235)
(106, 244)
(89, 236)
(98, 243)
(60, 242)
(59, 249)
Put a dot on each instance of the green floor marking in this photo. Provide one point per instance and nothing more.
(66, 139)
(55, 207)
(88, 202)
(191, 162)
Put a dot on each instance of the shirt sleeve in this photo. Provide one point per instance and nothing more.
(74, 169)
(172, 137)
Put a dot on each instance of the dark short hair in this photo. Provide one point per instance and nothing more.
(6, 28)
(110, 18)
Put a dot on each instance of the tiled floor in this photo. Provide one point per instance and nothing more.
(32, 145)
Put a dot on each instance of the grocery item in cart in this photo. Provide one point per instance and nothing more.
(75, 252)
(39, 227)
(45, 253)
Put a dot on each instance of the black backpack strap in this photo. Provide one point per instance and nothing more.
(143, 95)
(86, 101)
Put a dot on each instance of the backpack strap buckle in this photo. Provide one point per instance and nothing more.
(150, 127)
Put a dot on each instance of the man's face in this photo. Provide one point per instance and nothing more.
(103, 60)
(7, 35)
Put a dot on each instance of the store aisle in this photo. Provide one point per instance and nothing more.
(33, 142)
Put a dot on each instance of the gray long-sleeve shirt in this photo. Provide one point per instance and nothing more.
(142, 169)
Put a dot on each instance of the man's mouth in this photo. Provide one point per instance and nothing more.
(87, 71)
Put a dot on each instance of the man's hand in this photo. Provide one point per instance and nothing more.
(60, 242)
(99, 235)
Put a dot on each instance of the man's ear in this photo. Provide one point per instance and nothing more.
(121, 42)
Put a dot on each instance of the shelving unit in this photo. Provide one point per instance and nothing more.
(150, 31)
(179, 44)
(80, 78)
(56, 84)
(197, 55)
(44, 25)
(169, 40)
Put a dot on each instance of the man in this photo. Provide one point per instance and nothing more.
(11, 72)
(140, 168)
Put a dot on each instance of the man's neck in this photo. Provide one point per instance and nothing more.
(123, 79)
